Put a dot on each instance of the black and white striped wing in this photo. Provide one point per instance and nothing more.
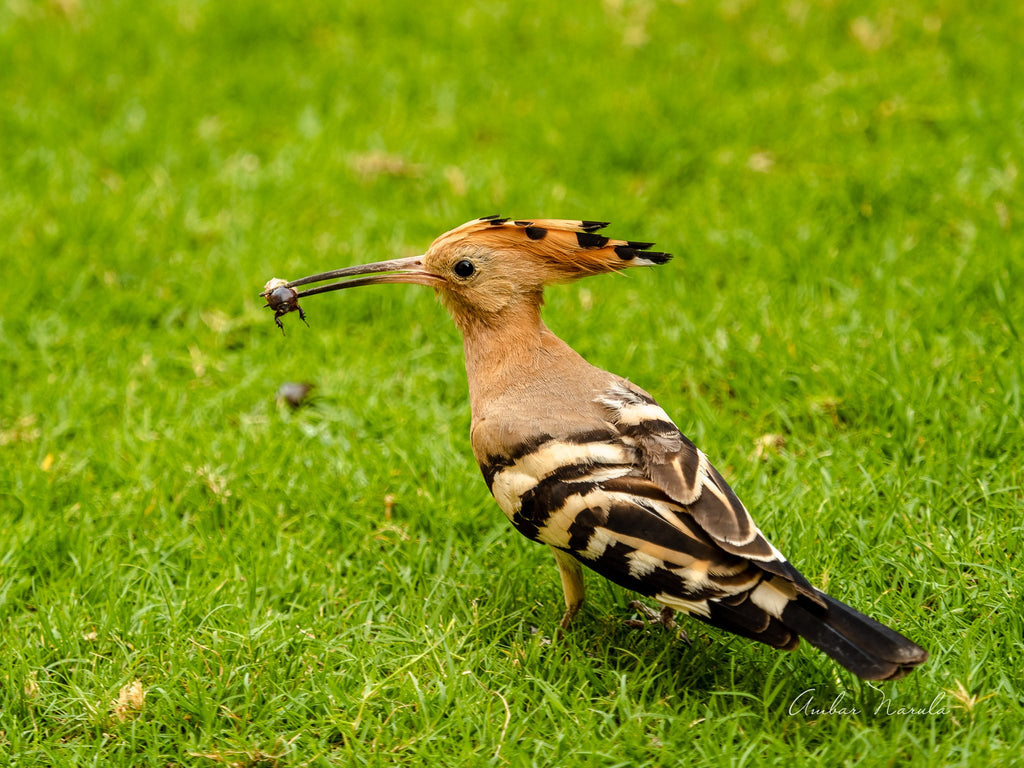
(592, 495)
(637, 502)
(678, 470)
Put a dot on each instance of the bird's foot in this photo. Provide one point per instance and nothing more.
(567, 617)
(665, 617)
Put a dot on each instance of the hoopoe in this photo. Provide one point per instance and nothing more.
(588, 463)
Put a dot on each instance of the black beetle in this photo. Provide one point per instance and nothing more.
(282, 299)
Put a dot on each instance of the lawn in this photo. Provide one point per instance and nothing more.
(192, 572)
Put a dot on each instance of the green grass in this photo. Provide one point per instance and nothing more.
(841, 186)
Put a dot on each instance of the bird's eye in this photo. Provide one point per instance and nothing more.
(464, 268)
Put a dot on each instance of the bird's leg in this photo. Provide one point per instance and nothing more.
(572, 585)
(651, 616)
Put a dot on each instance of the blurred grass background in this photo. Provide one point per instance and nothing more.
(840, 332)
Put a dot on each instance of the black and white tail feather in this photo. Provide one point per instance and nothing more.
(637, 502)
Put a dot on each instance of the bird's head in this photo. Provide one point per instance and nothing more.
(488, 265)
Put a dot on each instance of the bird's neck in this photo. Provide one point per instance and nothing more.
(510, 353)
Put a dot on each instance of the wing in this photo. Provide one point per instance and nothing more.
(634, 500)
(586, 494)
(676, 469)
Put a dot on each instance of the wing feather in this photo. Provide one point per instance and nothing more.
(683, 474)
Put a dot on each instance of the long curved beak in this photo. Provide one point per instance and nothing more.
(282, 297)
(408, 270)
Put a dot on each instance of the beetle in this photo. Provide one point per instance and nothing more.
(282, 298)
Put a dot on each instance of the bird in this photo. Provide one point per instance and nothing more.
(587, 463)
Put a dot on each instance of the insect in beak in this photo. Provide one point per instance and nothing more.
(282, 297)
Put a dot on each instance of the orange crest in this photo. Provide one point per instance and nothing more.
(564, 249)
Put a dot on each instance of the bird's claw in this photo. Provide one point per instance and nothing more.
(665, 616)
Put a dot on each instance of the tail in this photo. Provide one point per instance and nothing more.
(867, 648)
(864, 646)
